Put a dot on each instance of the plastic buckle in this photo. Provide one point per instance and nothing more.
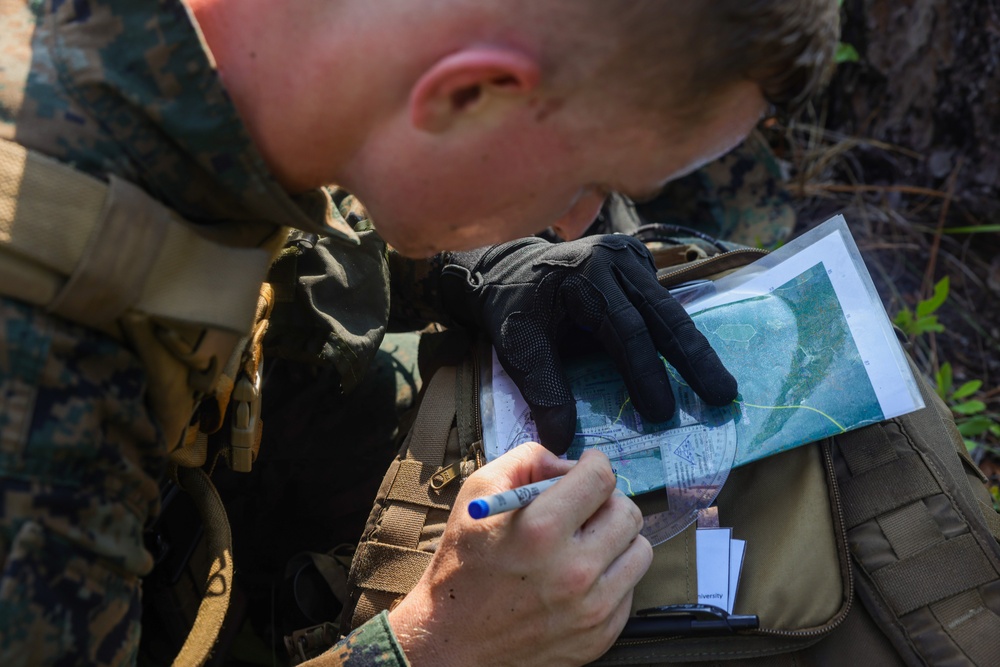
(246, 423)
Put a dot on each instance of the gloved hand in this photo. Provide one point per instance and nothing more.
(524, 293)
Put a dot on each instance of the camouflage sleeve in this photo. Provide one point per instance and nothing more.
(414, 295)
(371, 645)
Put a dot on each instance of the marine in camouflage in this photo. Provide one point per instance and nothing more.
(112, 87)
(109, 87)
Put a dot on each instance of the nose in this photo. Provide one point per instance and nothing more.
(582, 214)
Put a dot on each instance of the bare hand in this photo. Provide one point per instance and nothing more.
(550, 584)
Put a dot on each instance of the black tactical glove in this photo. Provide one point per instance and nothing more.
(525, 292)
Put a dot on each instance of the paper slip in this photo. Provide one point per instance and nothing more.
(720, 559)
(713, 566)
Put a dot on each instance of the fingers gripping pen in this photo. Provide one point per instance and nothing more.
(507, 501)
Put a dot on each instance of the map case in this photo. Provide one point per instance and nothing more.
(804, 333)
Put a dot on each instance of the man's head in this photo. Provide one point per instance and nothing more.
(465, 122)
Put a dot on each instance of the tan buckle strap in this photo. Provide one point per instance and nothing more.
(89, 251)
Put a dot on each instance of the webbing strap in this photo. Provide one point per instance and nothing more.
(412, 485)
(219, 584)
(371, 603)
(388, 565)
(972, 625)
(867, 449)
(885, 488)
(401, 525)
(910, 529)
(89, 251)
(937, 572)
(389, 568)
(429, 438)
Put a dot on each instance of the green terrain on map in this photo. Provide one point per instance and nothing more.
(800, 375)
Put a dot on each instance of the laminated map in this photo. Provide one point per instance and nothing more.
(804, 333)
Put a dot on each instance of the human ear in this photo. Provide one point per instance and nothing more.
(466, 82)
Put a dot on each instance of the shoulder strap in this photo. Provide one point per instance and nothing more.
(388, 563)
(96, 250)
(112, 258)
(928, 565)
(219, 582)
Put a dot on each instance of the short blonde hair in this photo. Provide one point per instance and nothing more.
(691, 50)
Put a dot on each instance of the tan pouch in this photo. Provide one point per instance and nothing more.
(796, 575)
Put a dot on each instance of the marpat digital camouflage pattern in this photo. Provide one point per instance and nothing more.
(122, 87)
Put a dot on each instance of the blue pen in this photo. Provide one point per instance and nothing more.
(507, 501)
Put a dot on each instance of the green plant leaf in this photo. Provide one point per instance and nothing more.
(968, 389)
(975, 426)
(904, 320)
(928, 306)
(969, 407)
(970, 445)
(846, 54)
(973, 230)
(927, 323)
(944, 381)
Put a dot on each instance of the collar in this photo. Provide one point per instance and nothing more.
(143, 70)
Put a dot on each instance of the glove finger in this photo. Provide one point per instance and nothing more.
(679, 341)
(623, 334)
(556, 426)
(526, 350)
(621, 331)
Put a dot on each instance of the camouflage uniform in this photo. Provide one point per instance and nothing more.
(121, 87)
(112, 87)
(739, 198)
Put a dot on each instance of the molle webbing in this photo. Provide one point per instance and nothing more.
(89, 251)
(930, 569)
(388, 563)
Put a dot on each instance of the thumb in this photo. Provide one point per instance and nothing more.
(525, 464)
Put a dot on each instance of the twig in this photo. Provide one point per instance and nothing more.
(928, 284)
(816, 188)
(888, 245)
(867, 141)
